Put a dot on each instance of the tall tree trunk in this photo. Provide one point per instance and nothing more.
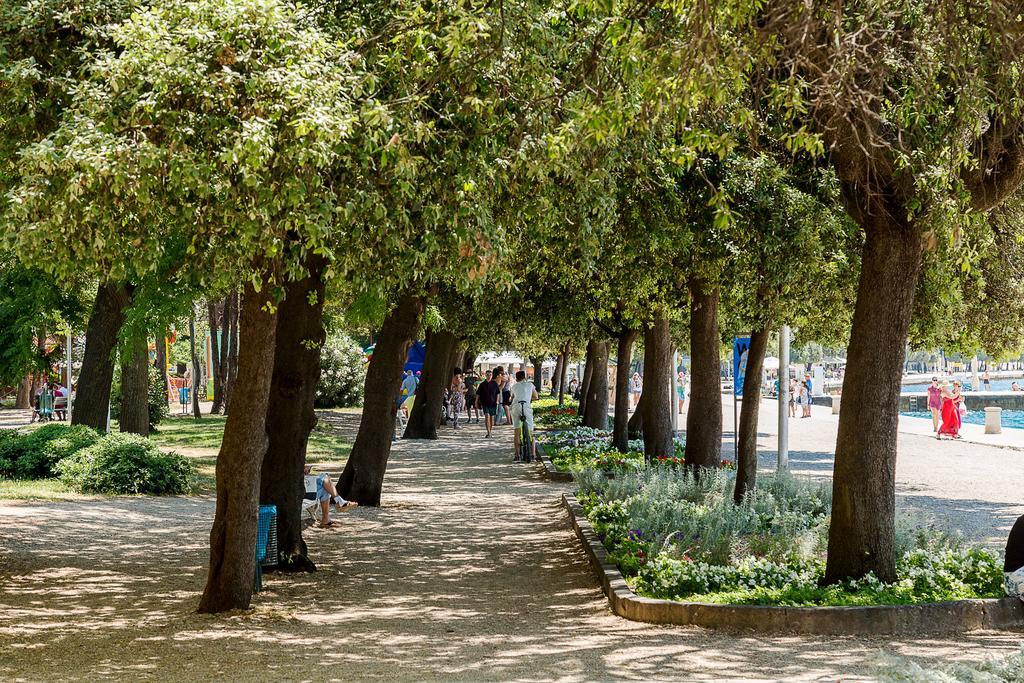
(161, 362)
(229, 584)
(135, 387)
(624, 352)
(426, 409)
(197, 374)
(23, 401)
(746, 458)
(225, 349)
(704, 419)
(290, 415)
(218, 385)
(588, 373)
(233, 353)
(596, 414)
(657, 415)
(92, 397)
(363, 477)
(861, 535)
(538, 370)
(556, 376)
(563, 374)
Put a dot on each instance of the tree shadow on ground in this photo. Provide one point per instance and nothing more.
(468, 572)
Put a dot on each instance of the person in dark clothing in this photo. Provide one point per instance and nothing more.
(487, 396)
(472, 380)
(1013, 566)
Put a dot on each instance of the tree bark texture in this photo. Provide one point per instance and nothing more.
(746, 456)
(538, 370)
(229, 584)
(704, 418)
(213, 315)
(363, 477)
(232, 373)
(290, 416)
(92, 396)
(135, 387)
(588, 373)
(556, 377)
(23, 400)
(861, 535)
(620, 429)
(468, 361)
(563, 374)
(426, 410)
(596, 414)
(657, 416)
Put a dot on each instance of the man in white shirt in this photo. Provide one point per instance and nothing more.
(523, 395)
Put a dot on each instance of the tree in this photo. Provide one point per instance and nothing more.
(164, 166)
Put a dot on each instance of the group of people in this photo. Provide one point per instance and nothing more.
(501, 400)
(57, 390)
(801, 393)
(636, 387)
(946, 403)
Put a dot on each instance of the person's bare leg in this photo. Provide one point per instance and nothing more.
(325, 512)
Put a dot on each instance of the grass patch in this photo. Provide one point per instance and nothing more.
(325, 444)
(37, 489)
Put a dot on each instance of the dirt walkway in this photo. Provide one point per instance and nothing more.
(469, 572)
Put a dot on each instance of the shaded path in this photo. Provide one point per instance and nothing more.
(468, 572)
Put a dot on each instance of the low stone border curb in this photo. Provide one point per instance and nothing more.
(549, 469)
(961, 615)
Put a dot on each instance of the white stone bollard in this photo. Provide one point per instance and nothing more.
(993, 420)
(835, 405)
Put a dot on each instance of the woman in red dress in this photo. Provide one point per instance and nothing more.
(950, 412)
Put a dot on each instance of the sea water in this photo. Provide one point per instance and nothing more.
(1013, 419)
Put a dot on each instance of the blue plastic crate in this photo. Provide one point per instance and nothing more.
(266, 521)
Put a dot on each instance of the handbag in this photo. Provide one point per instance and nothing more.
(963, 409)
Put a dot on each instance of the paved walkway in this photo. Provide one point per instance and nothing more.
(468, 572)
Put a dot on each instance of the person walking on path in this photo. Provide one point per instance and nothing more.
(636, 386)
(456, 397)
(805, 399)
(523, 395)
(487, 397)
(950, 412)
(792, 397)
(986, 381)
(506, 396)
(935, 403)
(471, 380)
(681, 391)
(1013, 566)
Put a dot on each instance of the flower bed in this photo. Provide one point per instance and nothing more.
(680, 538)
(584, 448)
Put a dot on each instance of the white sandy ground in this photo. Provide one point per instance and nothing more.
(468, 572)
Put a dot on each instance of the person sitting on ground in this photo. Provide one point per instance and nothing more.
(1013, 566)
(325, 493)
(523, 394)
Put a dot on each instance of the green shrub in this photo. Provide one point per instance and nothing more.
(156, 398)
(35, 454)
(9, 440)
(342, 374)
(126, 463)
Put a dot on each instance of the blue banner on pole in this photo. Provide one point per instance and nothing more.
(740, 347)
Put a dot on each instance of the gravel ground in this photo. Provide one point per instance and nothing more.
(468, 572)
